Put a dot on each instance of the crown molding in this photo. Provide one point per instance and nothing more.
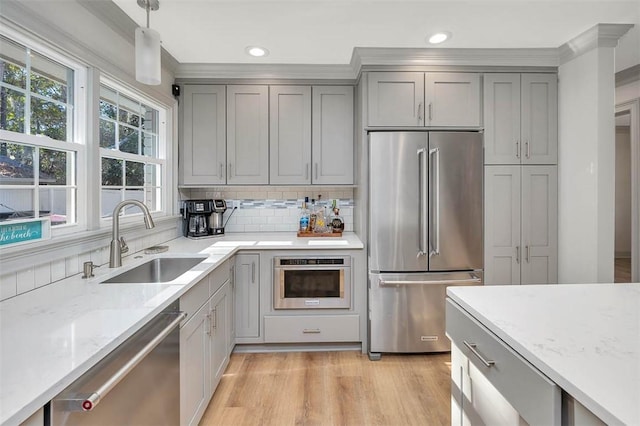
(628, 75)
(600, 35)
(264, 71)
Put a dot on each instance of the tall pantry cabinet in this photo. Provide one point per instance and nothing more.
(521, 183)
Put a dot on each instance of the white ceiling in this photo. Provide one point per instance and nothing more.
(326, 31)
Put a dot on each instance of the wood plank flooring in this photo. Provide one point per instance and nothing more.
(622, 270)
(332, 388)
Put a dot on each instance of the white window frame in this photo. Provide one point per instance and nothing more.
(76, 143)
(161, 159)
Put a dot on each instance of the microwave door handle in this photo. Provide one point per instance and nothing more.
(422, 202)
(435, 206)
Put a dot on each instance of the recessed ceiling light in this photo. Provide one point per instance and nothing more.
(438, 38)
(256, 51)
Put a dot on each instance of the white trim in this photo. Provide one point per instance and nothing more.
(264, 71)
(633, 108)
(600, 35)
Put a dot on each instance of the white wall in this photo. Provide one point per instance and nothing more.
(586, 168)
(623, 192)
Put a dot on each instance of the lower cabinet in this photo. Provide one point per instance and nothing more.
(204, 344)
(311, 328)
(490, 383)
(247, 296)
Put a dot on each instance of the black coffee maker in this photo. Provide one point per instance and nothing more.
(196, 215)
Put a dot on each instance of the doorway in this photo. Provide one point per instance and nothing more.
(627, 193)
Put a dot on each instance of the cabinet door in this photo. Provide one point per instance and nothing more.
(452, 99)
(539, 118)
(290, 134)
(219, 329)
(194, 367)
(502, 225)
(247, 307)
(202, 155)
(332, 140)
(539, 225)
(502, 143)
(247, 134)
(396, 98)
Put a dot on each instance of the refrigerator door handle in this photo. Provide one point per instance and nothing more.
(422, 202)
(435, 218)
(383, 283)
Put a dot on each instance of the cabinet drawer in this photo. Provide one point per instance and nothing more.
(536, 398)
(219, 276)
(318, 328)
(193, 299)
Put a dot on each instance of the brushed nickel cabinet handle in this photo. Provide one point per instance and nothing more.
(311, 331)
(526, 144)
(306, 171)
(221, 170)
(517, 254)
(253, 272)
(472, 348)
(518, 149)
(526, 249)
(419, 112)
(430, 111)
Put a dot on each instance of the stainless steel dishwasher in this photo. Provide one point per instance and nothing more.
(138, 383)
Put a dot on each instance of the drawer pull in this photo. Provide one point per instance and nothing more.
(311, 331)
(472, 348)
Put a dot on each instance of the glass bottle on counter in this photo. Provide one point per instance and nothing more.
(312, 216)
(337, 222)
(304, 216)
(321, 223)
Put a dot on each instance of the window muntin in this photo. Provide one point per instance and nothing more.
(37, 133)
(131, 162)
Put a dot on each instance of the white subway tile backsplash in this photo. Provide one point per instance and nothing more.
(26, 280)
(267, 228)
(259, 220)
(58, 270)
(252, 228)
(43, 274)
(8, 286)
(274, 220)
(71, 266)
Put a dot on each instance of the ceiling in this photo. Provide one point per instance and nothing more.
(326, 31)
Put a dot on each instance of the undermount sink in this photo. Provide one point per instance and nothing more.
(159, 270)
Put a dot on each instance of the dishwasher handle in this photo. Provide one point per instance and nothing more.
(94, 398)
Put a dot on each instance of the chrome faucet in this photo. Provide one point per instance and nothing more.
(117, 243)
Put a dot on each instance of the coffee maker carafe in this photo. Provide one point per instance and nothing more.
(217, 224)
(196, 215)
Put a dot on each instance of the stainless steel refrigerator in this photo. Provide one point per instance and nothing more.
(425, 234)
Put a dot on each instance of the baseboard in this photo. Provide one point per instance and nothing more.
(297, 347)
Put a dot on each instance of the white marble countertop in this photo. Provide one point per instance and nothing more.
(584, 337)
(52, 335)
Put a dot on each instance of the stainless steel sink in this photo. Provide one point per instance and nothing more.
(159, 270)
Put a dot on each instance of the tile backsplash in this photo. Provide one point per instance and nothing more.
(273, 209)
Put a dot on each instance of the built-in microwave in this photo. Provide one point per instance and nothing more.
(312, 282)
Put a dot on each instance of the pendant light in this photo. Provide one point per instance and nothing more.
(148, 66)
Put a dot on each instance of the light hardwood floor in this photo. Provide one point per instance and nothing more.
(332, 388)
(622, 270)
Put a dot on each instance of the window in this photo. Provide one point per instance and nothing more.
(38, 153)
(132, 163)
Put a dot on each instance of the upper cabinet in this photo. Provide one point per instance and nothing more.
(521, 118)
(248, 134)
(290, 135)
(259, 134)
(203, 152)
(424, 99)
(332, 138)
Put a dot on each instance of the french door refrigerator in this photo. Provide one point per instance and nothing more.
(425, 233)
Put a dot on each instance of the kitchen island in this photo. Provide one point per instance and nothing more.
(51, 336)
(584, 339)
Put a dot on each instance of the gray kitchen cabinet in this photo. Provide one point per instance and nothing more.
(423, 99)
(247, 134)
(491, 383)
(332, 138)
(521, 225)
(247, 296)
(311, 328)
(290, 134)
(204, 342)
(452, 99)
(203, 135)
(521, 118)
(219, 329)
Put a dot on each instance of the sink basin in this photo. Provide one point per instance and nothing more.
(160, 270)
